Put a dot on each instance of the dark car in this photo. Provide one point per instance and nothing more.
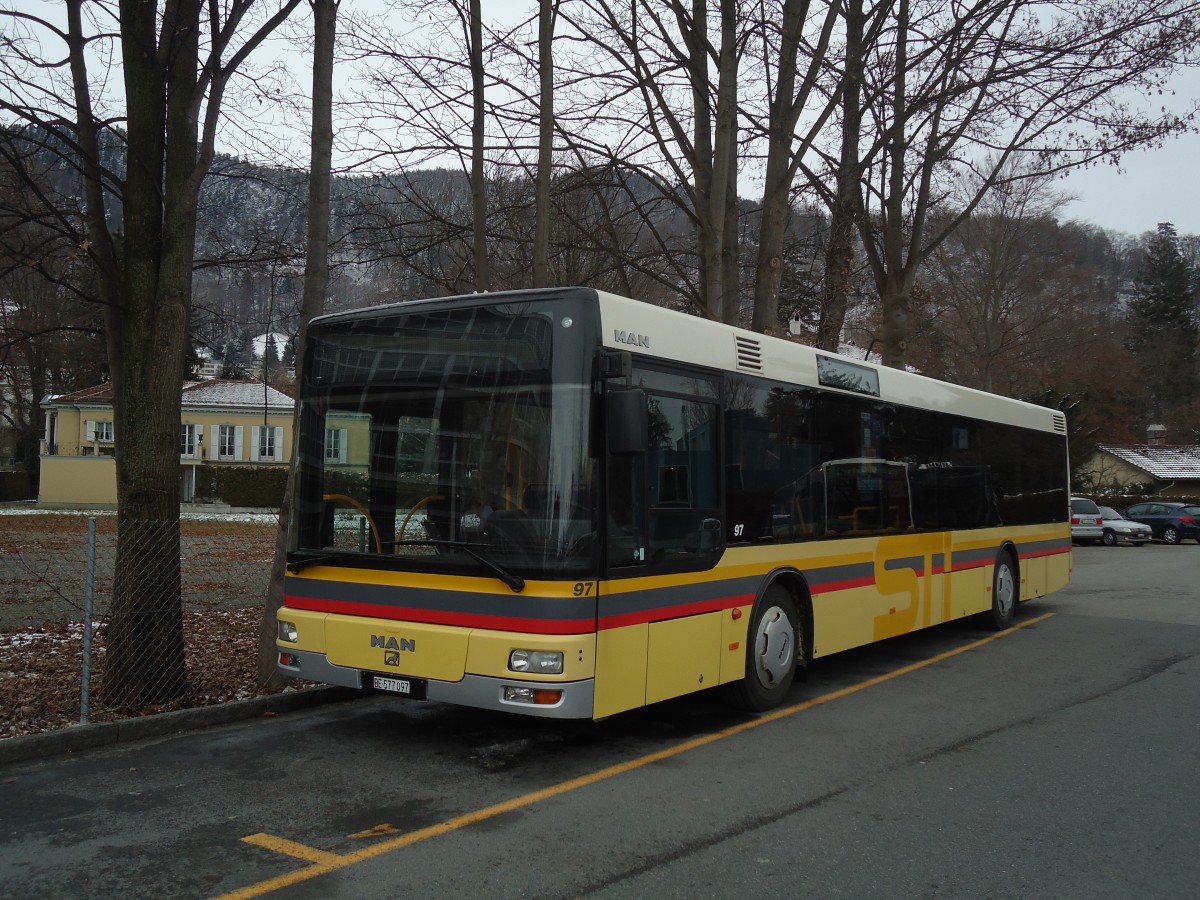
(1170, 522)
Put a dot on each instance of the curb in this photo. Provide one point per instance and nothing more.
(102, 734)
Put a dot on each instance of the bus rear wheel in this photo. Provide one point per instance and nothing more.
(1004, 593)
(772, 648)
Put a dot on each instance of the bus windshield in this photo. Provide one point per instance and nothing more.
(452, 438)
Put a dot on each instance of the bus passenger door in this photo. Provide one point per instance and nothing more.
(663, 518)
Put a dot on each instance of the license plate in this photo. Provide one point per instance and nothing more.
(405, 687)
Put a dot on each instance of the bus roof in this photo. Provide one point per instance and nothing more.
(674, 336)
(666, 334)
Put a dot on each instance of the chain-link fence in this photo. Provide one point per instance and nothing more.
(145, 650)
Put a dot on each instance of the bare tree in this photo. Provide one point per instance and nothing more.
(675, 124)
(1009, 296)
(177, 59)
(316, 286)
(791, 90)
(971, 88)
(426, 103)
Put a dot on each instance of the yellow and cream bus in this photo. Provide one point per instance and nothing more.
(567, 503)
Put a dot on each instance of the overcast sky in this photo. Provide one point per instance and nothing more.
(1151, 186)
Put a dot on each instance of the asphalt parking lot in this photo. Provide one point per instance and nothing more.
(1055, 760)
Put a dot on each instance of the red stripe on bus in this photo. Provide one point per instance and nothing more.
(828, 587)
(659, 614)
(1040, 553)
(438, 617)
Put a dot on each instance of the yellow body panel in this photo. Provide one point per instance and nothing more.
(683, 655)
(442, 652)
(971, 591)
(642, 663)
(841, 620)
(383, 645)
(734, 623)
(1033, 578)
(620, 669)
(310, 627)
(488, 654)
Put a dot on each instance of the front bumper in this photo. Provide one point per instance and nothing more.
(1137, 537)
(479, 691)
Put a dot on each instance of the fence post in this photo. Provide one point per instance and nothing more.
(89, 584)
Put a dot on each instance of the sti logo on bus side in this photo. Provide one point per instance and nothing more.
(390, 643)
(631, 338)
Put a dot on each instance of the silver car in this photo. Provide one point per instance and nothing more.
(1086, 521)
(1118, 530)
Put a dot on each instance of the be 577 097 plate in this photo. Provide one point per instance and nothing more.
(404, 687)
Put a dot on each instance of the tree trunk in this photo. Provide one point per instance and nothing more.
(312, 304)
(148, 332)
(896, 298)
(541, 212)
(723, 200)
(478, 128)
(777, 183)
(847, 204)
(896, 283)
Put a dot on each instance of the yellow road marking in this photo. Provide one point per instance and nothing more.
(377, 831)
(324, 862)
(291, 848)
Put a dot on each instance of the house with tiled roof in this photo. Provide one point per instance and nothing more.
(1164, 470)
(222, 424)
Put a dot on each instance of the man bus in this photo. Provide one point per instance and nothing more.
(567, 503)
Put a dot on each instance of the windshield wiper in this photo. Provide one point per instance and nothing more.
(298, 565)
(515, 582)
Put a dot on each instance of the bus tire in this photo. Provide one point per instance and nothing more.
(1004, 593)
(772, 648)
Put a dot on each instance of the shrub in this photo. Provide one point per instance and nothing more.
(252, 486)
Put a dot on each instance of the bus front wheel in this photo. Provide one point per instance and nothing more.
(772, 648)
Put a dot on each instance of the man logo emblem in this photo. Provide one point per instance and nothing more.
(391, 658)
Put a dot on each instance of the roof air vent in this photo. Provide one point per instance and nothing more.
(1060, 423)
(749, 353)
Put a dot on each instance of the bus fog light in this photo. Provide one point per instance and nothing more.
(534, 696)
(288, 632)
(289, 659)
(539, 662)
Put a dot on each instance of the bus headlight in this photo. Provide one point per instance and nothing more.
(536, 662)
(288, 632)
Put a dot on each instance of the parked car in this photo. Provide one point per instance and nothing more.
(1086, 521)
(1118, 530)
(1170, 522)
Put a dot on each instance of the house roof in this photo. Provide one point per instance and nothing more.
(236, 394)
(100, 393)
(1166, 463)
(245, 394)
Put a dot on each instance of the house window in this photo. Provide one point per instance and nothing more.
(101, 432)
(266, 443)
(229, 442)
(335, 445)
(189, 441)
